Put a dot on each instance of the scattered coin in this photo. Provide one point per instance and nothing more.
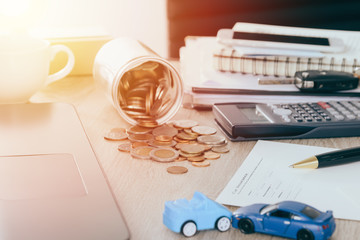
(192, 148)
(211, 155)
(139, 130)
(116, 134)
(140, 137)
(141, 152)
(185, 123)
(177, 170)
(185, 140)
(211, 139)
(201, 164)
(180, 159)
(165, 130)
(164, 154)
(196, 159)
(139, 144)
(204, 130)
(163, 138)
(124, 147)
(220, 149)
(185, 136)
(156, 143)
(179, 140)
(187, 155)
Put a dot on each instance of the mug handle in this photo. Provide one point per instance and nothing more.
(68, 67)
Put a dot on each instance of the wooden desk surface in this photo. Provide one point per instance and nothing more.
(141, 186)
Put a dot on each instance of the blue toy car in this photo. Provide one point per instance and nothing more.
(287, 219)
(199, 213)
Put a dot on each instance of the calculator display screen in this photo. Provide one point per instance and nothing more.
(253, 115)
(282, 38)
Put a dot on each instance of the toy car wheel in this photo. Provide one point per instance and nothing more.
(189, 229)
(304, 234)
(223, 224)
(246, 226)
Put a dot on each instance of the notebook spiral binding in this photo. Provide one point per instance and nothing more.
(246, 64)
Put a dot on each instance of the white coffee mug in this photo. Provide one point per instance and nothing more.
(24, 67)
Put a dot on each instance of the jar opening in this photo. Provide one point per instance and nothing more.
(149, 92)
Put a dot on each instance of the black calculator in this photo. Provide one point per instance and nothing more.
(253, 121)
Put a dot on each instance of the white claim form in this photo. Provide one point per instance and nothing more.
(265, 177)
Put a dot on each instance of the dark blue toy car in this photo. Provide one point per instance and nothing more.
(287, 219)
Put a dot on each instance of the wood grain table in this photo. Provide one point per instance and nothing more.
(142, 186)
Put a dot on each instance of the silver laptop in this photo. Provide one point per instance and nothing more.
(51, 184)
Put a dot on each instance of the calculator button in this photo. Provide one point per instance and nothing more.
(327, 118)
(286, 118)
(281, 111)
(323, 114)
(324, 105)
(317, 119)
(339, 117)
(299, 120)
(350, 116)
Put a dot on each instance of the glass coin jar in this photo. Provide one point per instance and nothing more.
(146, 89)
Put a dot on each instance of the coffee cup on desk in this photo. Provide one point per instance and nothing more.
(24, 67)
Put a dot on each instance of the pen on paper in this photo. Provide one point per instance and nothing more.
(330, 159)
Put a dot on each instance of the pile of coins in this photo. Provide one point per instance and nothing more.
(147, 92)
(181, 140)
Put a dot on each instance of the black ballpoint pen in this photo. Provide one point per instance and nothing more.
(330, 158)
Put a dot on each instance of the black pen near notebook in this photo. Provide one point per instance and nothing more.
(330, 159)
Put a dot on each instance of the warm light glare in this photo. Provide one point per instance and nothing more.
(20, 15)
(13, 8)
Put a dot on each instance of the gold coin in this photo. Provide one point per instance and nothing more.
(207, 147)
(116, 134)
(211, 139)
(156, 143)
(211, 155)
(185, 123)
(139, 144)
(180, 140)
(220, 149)
(149, 123)
(141, 152)
(180, 159)
(163, 138)
(139, 130)
(192, 148)
(178, 145)
(204, 130)
(165, 130)
(196, 159)
(140, 137)
(186, 136)
(124, 147)
(177, 170)
(187, 155)
(201, 164)
(188, 131)
(164, 154)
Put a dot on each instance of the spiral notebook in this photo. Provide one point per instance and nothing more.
(234, 60)
(204, 85)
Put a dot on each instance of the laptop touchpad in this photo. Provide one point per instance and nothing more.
(40, 176)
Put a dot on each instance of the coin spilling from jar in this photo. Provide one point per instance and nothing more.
(147, 93)
(177, 141)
